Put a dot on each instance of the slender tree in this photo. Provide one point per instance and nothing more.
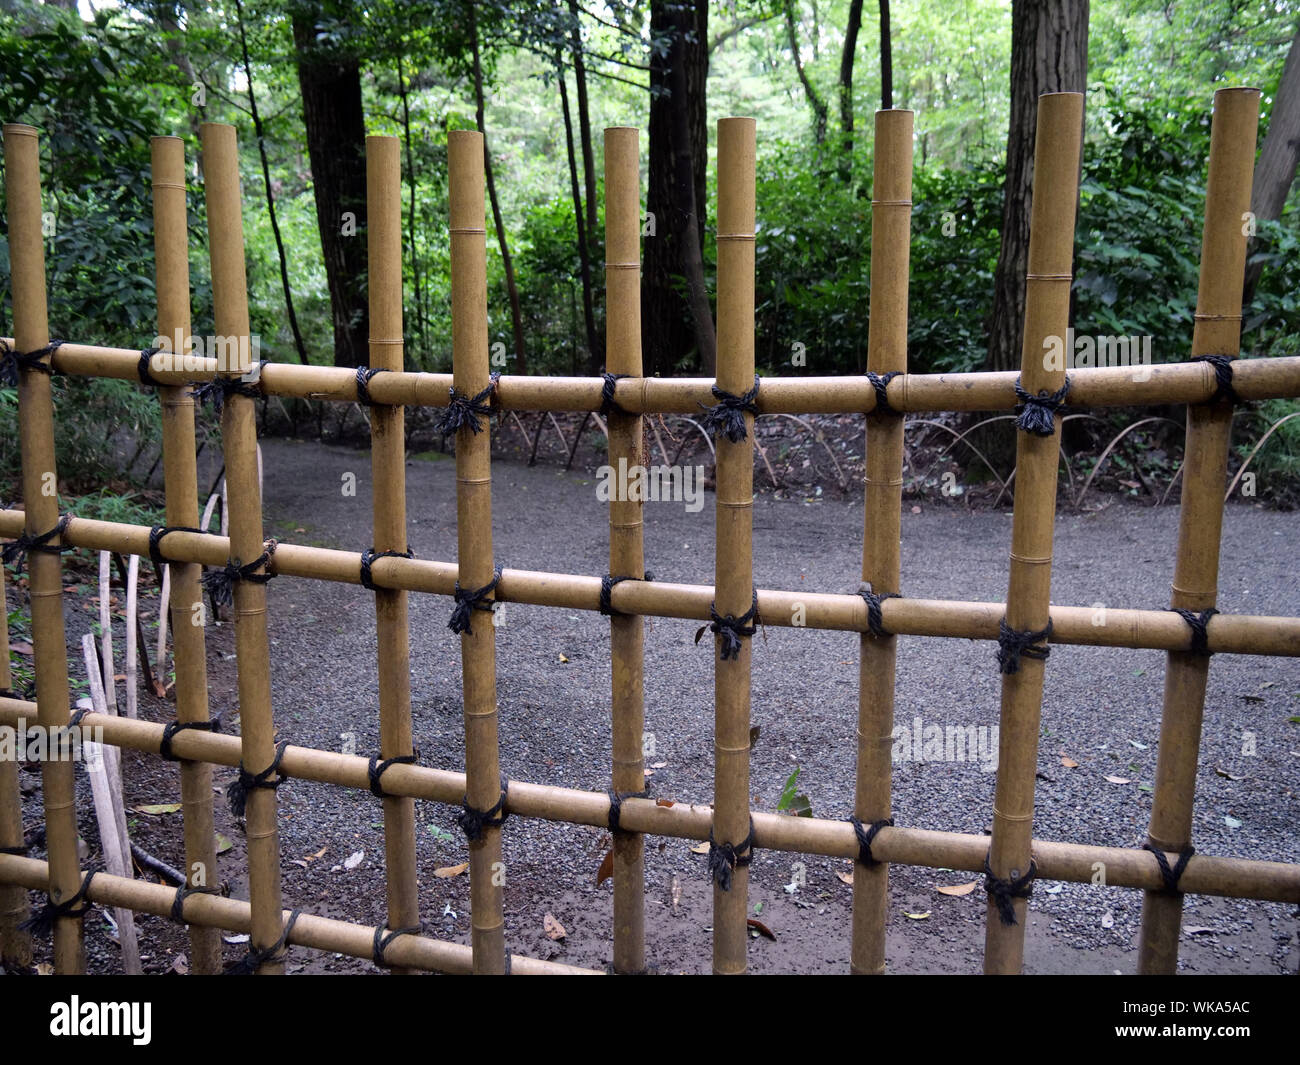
(1279, 157)
(818, 105)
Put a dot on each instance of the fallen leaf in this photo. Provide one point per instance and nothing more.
(158, 808)
(700, 848)
(448, 871)
(564, 658)
(844, 877)
(353, 859)
(606, 869)
(44, 968)
(1055, 889)
(916, 510)
(1107, 920)
(22, 647)
(663, 802)
(299, 861)
(180, 965)
(1069, 762)
(761, 929)
(649, 773)
(658, 765)
(957, 889)
(1231, 821)
(235, 939)
(1139, 746)
(753, 734)
(552, 927)
(319, 854)
(1197, 930)
(917, 916)
(223, 844)
(1226, 775)
(1119, 780)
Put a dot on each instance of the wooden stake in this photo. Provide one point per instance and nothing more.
(1047, 313)
(180, 480)
(239, 441)
(733, 561)
(891, 223)
(474, 540)
(130, 666)
(106, 627)
(15, 945)
(1200, 522)
(626, 553)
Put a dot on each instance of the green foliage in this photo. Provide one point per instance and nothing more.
(792, 800)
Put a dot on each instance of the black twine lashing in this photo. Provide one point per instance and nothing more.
(616, 806)
(364, 374)
(1004, 892)
(1199, 624)
(880, 383)
(12, 361)
(383, 937)
(156, 534)
(727, 416)
(183, 893)
(220, 389)
(256, 957)
(26, 543)
(1037, 414)
(875, 617)
(464, 412)
(731, 628)
(1015, 644)
(238, 789)
(1171, 876)
(375, 770)
(608, 405)
(866, 836)
(142, 368)
(41, 923)
(725, 857)
(173, 727)
(473, 821)
(220, 583)
(607, 583)
(468, 602)
(1223, 390)
(368, 558)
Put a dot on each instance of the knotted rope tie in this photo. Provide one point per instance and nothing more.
(866, 836)
(1015, 644)
(259, 956)
(1171, 876)
(607, 583)
(1003, 892)
(20, 548)
(616, 806)
(183, 893)
(880, 382)
(19, 851)
(1223, 389)
(173, 727)
(41, 923)
(375, 769)
(875, 618)
(468, 602)
(725, 857)
(727, 416)
(607, 404)
(220, 583)
(1037, 414)
(463, 412)
(220, 389)
(156, 534)
(12, 361)
(473, 822)
(238, 789)
(383, 937)
(364, 374)
(368, 558)
(1199, 624)
(142, 368)
(732, 628)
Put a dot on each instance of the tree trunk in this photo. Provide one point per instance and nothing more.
(336, 145)
(815, 101)
(584, 120)
(417, 283)
(886, 60)
(1278, 158)
(594, 349)
(847, 56)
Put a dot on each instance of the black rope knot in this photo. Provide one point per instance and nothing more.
(364, 374)
(259, 956)
(12, 361)
(473, 822)
(238, 789)
(368, 558)
(880, 383)
(221, 388)
(220, 583)
(383, 937)
(156, 534)
(182, 893)
(1015, 644)
(875, 618)
(607, 583)
(1171, 876)
(866, 836)
(375, 769)
(1004, 891)
(26, 543)
(727, 416)
(732, 628)
(173, 727)
(41, 923)
(607, 404)
(1223, 390)
(468, 602)
(616, 806)
(725, 857)
(142, 368)
(464, 412)
(1199, 624)
(1037, 414)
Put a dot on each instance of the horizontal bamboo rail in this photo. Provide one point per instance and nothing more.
(1108, 386)
(1068, 862)
(1157, 630)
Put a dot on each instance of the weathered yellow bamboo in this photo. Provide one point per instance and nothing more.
(1047, 313)
(15, 944)
(1205, 471)
(626, 554)
(239, 442)
(733, 562)
(469, 330)
(40, 495)
(891, 221)
(388, 474)
(180, 479)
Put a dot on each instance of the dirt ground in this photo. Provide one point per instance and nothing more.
(1102, 710)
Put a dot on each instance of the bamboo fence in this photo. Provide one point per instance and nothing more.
(1025, 626)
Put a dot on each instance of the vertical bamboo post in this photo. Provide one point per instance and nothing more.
(180, 481)
(474, 540)
(15, 944)
(1047, 313)
(388, 474)
(733, 562)
(1217, 331)
(626, 554)
(40, 495)
(891, 224)
(239, 443)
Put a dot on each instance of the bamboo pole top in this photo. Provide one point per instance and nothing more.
(20, 129)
